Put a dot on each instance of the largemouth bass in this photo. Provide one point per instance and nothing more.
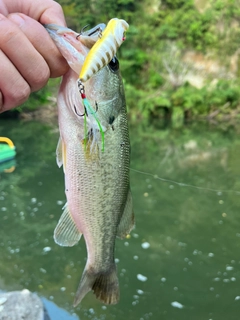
(99, 201)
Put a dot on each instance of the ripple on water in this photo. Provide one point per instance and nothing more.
(145, 245)
(177, 304)
(229, 268)
(139, 291)
(47, 249)
(141, 277)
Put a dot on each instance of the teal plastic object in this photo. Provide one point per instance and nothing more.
(7, 149)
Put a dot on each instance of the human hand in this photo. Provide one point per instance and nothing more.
(27, 53)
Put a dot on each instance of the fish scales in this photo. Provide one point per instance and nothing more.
(104, 194)
(97, 186)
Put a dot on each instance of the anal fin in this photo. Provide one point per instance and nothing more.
(126, 223)
(66, 233)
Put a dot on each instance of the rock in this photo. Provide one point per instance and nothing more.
(19, 305)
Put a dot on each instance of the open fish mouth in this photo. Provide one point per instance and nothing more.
(87, 37)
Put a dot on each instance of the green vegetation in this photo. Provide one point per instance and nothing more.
(155, 64)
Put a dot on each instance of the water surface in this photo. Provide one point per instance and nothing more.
(182, 260)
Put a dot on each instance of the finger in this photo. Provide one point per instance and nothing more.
(3, 8)
(42, 42)
(1, 101)
(16, 46)
(53, 13)
(47, 11)
(13, 88)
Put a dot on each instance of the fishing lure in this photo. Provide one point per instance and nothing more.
(89, 111)
(105, 48)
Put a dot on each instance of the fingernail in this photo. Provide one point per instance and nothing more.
(17, 19)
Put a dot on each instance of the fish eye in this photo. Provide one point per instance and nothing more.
(114, 64)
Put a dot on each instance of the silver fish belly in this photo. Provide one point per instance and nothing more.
(99, 202)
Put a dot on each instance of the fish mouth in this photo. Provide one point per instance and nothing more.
(56, 32)
(56, 28)
(69, 44)
(75, 46)
(88, 38)
(61, 30)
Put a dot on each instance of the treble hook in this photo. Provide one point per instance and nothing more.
(81, 32)
(85, 110)
(95, 30)
(80, 115)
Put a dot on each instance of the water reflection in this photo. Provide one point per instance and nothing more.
(182, 259)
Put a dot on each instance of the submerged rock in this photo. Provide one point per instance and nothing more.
(18, 305)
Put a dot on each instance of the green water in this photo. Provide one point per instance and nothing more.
(183, 258)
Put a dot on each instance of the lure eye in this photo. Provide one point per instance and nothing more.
(114, 64)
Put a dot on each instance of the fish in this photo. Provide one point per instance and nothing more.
(105, 48)
(97, 185)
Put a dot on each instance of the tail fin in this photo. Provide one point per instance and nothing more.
(104, 285)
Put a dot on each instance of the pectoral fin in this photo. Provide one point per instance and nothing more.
(126, 223)
(66, 232)
(59, 157)
(61, 154)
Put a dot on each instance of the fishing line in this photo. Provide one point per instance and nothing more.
(155, 176)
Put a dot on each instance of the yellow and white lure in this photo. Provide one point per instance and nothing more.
(105, 48)
(101, 53)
